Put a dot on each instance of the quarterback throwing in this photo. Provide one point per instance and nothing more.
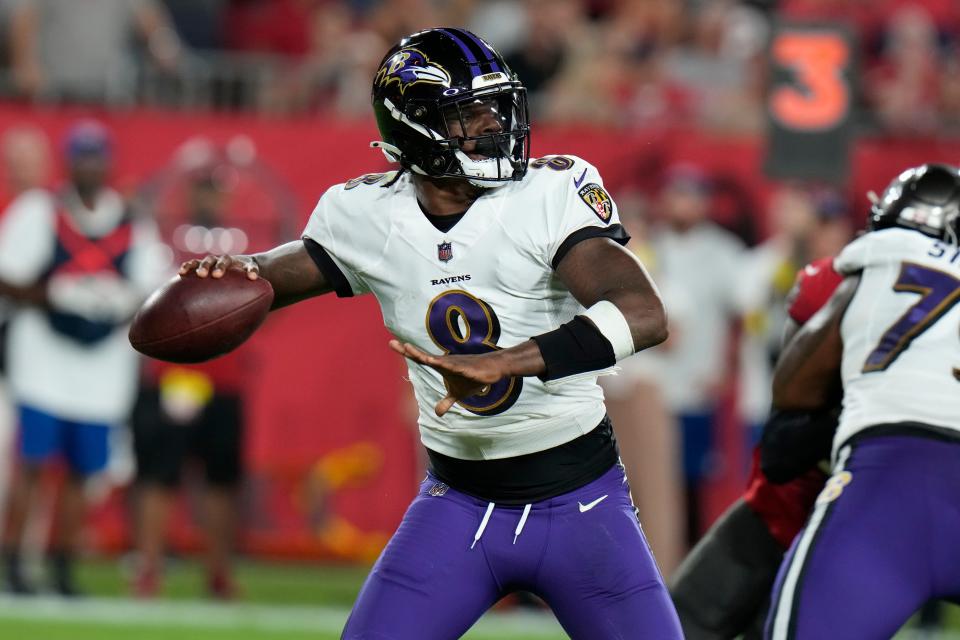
(508, 291)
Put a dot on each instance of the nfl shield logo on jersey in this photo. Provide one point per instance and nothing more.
(445, 251)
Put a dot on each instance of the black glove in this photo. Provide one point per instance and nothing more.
(793, 442)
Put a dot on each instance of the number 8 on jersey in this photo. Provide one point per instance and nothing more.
(463, 324)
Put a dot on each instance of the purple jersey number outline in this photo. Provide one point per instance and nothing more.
(478, 334)
(557, 163)
(939, 292)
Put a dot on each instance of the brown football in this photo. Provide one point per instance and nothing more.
(192, 319)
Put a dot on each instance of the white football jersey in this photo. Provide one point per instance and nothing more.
(901, 332)
(488, 282)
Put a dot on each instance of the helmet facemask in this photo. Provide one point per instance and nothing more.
(450, 144)
(488, 134)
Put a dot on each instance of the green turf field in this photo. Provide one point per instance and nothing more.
(260, 583)
(279, 602)
(110, 619)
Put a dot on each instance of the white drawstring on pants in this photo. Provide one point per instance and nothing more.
(523, 521)
(486, 520)
(483, 524)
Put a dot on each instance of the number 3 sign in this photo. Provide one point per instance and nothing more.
(810, 102)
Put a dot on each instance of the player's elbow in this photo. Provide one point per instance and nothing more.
(651, 328)
(662, 332)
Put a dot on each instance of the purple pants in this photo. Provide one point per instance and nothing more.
(881, 541)
(454, 556)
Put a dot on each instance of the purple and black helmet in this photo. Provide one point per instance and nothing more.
(436, 77)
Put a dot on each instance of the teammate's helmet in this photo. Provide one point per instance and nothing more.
(426, 89)
(924, 198)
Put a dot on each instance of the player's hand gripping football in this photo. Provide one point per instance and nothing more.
(463, 375)
(216, 266)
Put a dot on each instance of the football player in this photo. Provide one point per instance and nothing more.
(722, 588)
(881, 539)
(508, 291)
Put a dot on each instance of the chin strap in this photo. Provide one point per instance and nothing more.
(390, 151)
(393, 154)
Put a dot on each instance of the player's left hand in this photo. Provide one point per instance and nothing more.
(463, 375)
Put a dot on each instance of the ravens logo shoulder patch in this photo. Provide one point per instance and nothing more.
(599, 201)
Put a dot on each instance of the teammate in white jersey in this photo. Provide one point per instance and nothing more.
(882, 539)
(516, 282)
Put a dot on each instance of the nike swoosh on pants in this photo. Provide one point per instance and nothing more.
(591, 505)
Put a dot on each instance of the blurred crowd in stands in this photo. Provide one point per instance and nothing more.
(624, 63)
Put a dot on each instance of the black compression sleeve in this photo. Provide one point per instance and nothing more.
(574, 347)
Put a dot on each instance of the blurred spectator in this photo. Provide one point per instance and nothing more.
(615, 74)
(862, 17)
(71, 51)
(834, 228)
(337, 70)
(26, 159)
(721, 65)
(950, 91)
(78, 267)
(768, 275)
(268, 26)
(698, 265)
(646, 429)
(550, 27)
(905, 88)
(190, 414)
(393, 19)
(26, 156)
(807, 223)
(502, 22)
(199, 23)
(621, 63)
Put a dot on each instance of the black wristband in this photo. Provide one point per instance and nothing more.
(574, 347)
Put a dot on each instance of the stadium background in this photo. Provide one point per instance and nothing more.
(278, 90)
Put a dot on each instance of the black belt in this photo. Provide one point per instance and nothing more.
(535, 476)
(912, 429)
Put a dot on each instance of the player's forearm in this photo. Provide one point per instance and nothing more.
(807, 374)
(523, 359)
(292, 273)
(35, 295)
